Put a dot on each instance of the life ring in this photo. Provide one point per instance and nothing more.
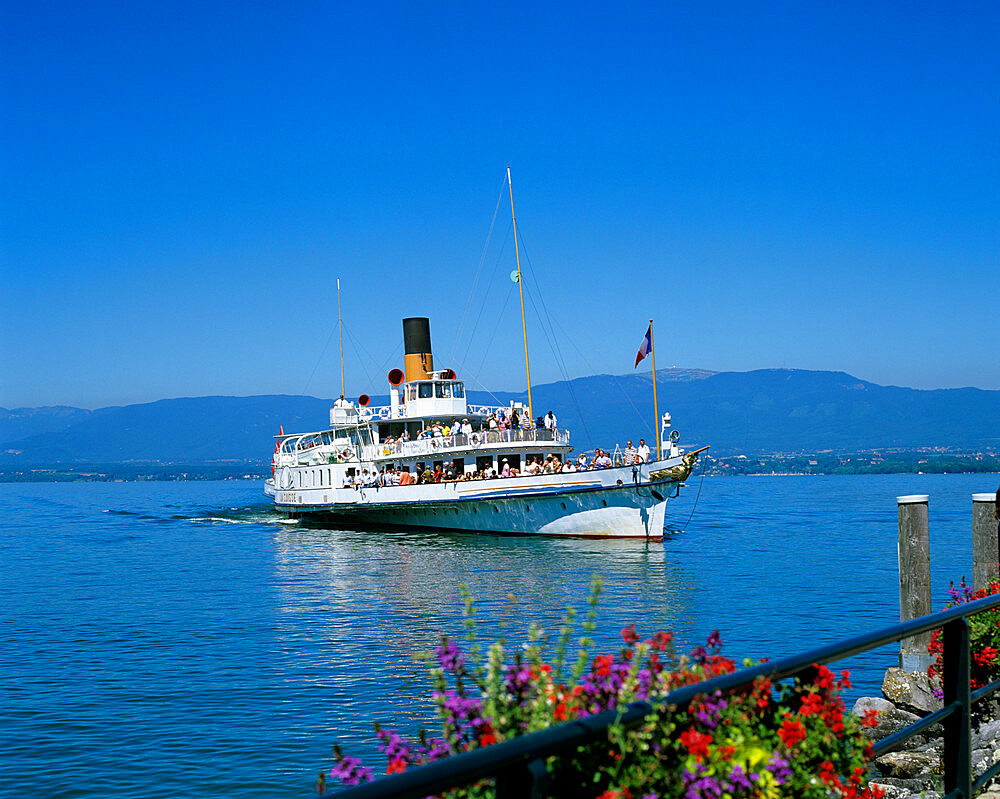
(675, 435)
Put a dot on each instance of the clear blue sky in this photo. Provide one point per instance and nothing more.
(808, 185)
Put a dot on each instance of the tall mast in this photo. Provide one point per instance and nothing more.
(656, 407)
(340, 328)
(520, 288)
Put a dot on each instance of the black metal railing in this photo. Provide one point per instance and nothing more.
(518, 765)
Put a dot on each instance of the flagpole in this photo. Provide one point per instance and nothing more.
(520, 288)
(656, 407)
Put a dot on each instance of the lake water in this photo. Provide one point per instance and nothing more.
(179, 639)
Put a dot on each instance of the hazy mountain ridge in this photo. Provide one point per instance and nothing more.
(763, 411)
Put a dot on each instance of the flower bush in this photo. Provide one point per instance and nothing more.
(767, 740)
(984, 643)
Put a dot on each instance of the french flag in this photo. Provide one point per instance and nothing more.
(646, 347)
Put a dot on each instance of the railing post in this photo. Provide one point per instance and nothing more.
(529, 781)
(957, 726)
(985, 554)
(914, 578)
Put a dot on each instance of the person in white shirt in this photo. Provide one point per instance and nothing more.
(642, 454)
(550, 421)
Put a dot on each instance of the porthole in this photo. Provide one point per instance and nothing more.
(475, 510)
(496, 509)
(563, 505)
(527, 508)
(604, 502)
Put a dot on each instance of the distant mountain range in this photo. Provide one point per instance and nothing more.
(761, 412)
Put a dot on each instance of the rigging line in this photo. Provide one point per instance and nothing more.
(354, 343)
(562, 369)
(479, 269)
(318, 360)
(696, 496)
(554, 344)
(371, 358)
(592, 368)
(486, 295)
(493, 336)
(618, 384)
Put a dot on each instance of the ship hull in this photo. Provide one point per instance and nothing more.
(610, 503)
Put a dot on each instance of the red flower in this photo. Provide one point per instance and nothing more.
(696, 743)
(561, 714)
(824, 677)
(812, 705)
(986, 656)
(629, 635)
(791, 732)
(396, 766)
(602, 665)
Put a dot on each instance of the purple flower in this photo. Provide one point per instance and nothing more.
(698, 654)
(714, 641)
(739, 780)
(450, 656)
(701, 787)
(778, 767)
(350, 771)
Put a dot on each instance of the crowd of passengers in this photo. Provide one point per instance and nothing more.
(446, 472)
(500, 421)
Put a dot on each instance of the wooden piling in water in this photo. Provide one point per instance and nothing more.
(985, 546)
(914, 577)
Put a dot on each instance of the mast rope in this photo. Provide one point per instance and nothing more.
(486, 296)
(554, 345)
(479, 269)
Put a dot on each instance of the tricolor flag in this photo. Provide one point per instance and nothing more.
(646, 347)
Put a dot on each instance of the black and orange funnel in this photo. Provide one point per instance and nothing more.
(417, 358)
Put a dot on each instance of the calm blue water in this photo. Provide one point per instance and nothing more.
(176, 638)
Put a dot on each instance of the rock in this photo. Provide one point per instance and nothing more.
(910, 691)
(988, 732)
(890, 718)
(892, 791)
(909, 765)
(903, 789)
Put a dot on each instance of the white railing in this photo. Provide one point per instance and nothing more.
(439, 444)
(384, 412)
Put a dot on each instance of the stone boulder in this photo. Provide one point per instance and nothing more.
(910, 691)
(890, 718)
(909, 765)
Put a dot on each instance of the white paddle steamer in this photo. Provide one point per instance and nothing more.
(318, 475)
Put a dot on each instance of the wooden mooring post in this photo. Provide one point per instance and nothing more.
(985, 546)
(914, 578)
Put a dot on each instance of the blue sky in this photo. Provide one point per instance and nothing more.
(782, 185)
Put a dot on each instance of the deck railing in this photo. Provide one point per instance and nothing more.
(439, 444)
(518, 765)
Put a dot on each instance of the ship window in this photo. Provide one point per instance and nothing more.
(443, 390)
(457, 390)
(411, 393)
(426, 390)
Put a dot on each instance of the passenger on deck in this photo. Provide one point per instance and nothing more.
(505, 471)
(569, 466)
(550, 421)
(603, 460)
(405, 478)
(629, 454)
(642, 454)
(581, 461)
(466, 427)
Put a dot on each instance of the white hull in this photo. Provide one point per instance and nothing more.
(607, 503)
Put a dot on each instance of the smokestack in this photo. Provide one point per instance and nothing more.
(417, 358)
